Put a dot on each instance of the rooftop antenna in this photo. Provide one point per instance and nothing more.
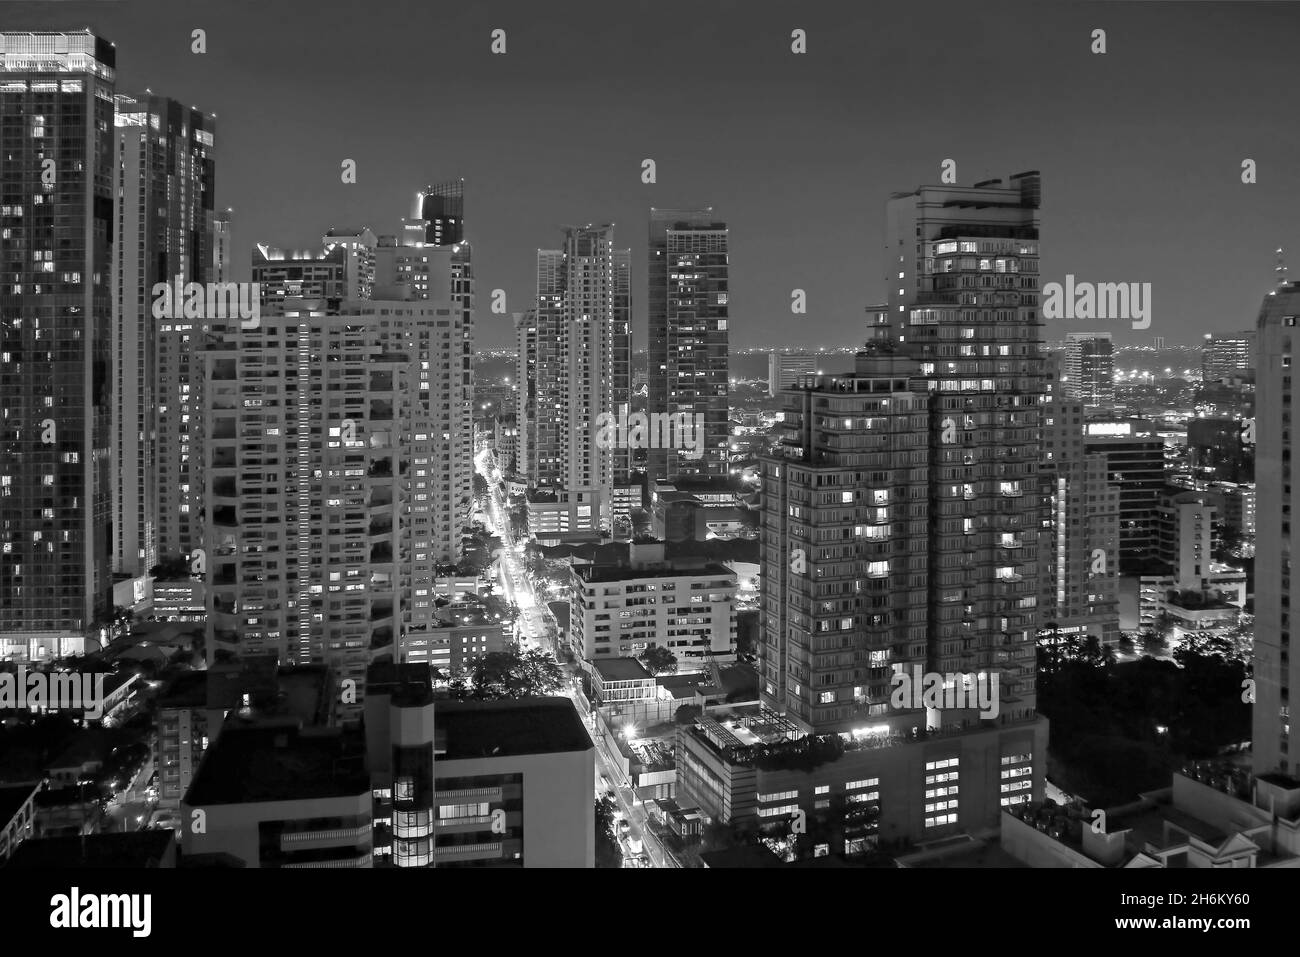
(1280, 268)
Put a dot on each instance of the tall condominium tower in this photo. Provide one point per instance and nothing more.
(688, 301)
(56, 305)
(1078, 546)
(963, 302)
(901, 511)
(1090, 368)
(329, 500)
(526, 387)
(1277, 590)
(440, 209)
(582, 371)
(845, 544)
(164, 232)
(1226, 356)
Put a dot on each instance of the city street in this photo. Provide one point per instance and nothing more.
(536, 623)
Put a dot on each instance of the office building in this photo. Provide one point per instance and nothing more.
(688, 298)
(1135, 462)
(1227, 356)
(1089, 369)
(164, 233)
(784, 368)
(57, 179)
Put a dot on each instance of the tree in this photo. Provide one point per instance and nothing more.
(658, 660)
(508, 674)
(686, 714)
(607, 850)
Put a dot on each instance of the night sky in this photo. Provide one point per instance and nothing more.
(1140, 148)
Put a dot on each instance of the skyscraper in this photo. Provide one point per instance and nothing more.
(899, 539)
(526, 384)
(688, 300)
(441, 209)
(1277, 590)
(164, 230)
(329, 492)
(964, 304)
(1090, 368)
(1078, 548)
(56, 305)
(583, 314)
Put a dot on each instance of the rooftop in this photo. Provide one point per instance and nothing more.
(482, 729)
(254, 764)
(409, 685)
(618, 573)
(621, 669)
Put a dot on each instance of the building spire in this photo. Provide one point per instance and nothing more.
(1280, 269)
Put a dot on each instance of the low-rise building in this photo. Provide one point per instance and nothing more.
(618, 611)
(1211, 816)
(267, 796)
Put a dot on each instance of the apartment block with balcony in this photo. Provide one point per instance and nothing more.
(331, 482)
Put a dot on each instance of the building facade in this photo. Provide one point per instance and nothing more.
(164, 227)
(56, 307)
(688, 298)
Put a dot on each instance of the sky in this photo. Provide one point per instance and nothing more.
(1140, 148)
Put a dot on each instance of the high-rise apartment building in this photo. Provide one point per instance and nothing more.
(1089, 370)
(963, 302)
(332, 455)
(526, 356)
(57, 182)
(784, 368)
(899, 538)
(342, 269)
(164, 233)
(1277, 590)
(688, 299)
(581, 368)
(440, 211)
(1078, 546)
(1227, 356)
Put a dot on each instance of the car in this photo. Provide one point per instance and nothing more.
(624, 825)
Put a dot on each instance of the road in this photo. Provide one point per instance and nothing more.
(537, 625)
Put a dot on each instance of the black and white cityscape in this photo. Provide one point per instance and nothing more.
(665, 436)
